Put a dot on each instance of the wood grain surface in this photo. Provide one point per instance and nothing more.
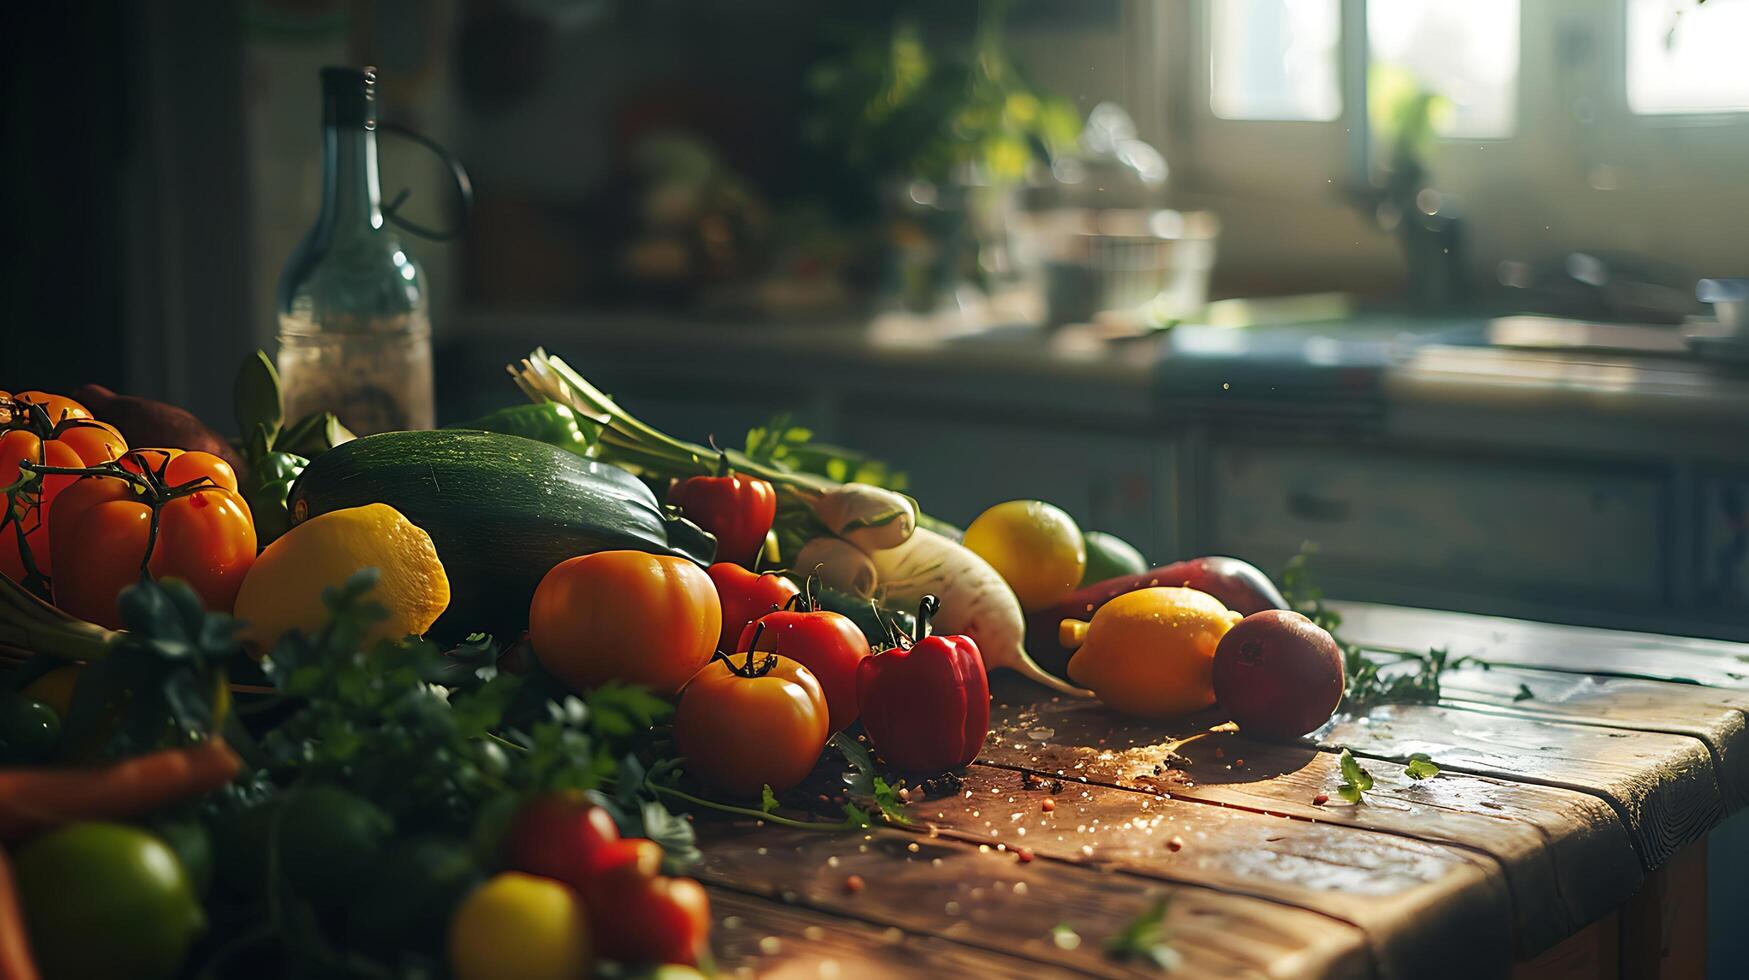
(1056, 914)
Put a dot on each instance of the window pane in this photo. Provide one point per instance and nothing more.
(1686, 57)
(1274, 59)
(1466, 53)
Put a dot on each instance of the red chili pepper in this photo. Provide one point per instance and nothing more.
(925, 702)
(737, 509)
(827, 643)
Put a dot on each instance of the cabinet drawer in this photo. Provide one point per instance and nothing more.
(1107, 483)
(1487, 528)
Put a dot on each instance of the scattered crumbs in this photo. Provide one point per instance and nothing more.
(770, 945)
(912, 847)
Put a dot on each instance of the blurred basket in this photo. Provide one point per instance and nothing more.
(1099, 260)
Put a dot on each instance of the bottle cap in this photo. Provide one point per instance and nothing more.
(349, 97)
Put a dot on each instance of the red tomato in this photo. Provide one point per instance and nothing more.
(204, 538)
(753, 724)
(746, 596)
(737, 509)
(641, 917)
(561, 836)
(828, 644)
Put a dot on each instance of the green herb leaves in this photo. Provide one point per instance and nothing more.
(1355, 779)
(1420, 767)
(1143, 940)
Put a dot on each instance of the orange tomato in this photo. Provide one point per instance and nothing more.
(58, 406)
(81, 444)
(70, 508)
(36, 538)
(204, 538)
(751, 721)
(627, 616)
(94, 441)
(176, 466)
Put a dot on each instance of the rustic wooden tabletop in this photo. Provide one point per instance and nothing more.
(1564, 836)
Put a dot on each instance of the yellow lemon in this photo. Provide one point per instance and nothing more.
(283, 589)
(520, 927)
(1036, 548)
(1151, 651)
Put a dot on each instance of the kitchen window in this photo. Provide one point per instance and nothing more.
(1560, 125)
(1684, 57)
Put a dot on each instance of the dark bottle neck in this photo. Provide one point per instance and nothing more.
(351, 192)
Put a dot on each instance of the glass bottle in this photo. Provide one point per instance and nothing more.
(354, 324)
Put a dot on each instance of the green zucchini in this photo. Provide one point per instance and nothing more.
(502, 510)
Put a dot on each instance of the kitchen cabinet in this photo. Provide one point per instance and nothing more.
(1509, 528)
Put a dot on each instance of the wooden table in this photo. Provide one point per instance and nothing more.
(1564, 837)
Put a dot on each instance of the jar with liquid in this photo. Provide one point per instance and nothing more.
(354, 321)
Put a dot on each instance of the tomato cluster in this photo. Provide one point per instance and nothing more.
(635, 914)
(90, 516)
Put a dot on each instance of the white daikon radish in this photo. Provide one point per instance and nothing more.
(870, 517)
(840, 565)
(975, 601)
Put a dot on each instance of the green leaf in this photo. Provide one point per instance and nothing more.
(767, 799)
(891, 807)
(255, 396)
(1524, 694)
(679, 843)
(1355, 780)
(860, 759)
(1143, 940)
(1420, 767)
(858, 816)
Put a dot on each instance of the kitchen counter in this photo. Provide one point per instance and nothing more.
(1566, 834)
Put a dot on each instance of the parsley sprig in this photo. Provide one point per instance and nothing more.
(1144, 940)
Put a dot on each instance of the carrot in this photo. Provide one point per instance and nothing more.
(36, 799)
(15, 961)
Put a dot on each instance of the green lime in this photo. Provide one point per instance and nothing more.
(1109, 556)
(104, 900)
(193, 848)
(29, 729)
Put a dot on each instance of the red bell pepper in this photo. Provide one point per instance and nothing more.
(747, 595)
(827, 643)
(926, 702)
(737, 509)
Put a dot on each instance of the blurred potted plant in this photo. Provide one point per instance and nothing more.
(945, 130)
